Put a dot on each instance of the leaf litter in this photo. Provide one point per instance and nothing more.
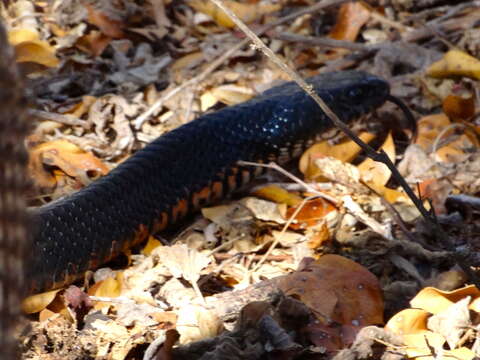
(97, 67)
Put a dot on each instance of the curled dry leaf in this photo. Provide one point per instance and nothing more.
(38, 302)
(455, 63)
(350, 19)
(29, 48)
(66, 157)
(436, 132)
(346, 151)
(247, 12)
(311, 213)
(279, 195)
(374, 173)
(105, 22)
(425, 334)
(458, 107)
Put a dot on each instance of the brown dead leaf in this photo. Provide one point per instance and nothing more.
(70, 159)
(318, 236)
(337, 289)
(459, 107)
(108, 26)
(247, 12)
(350, 19)
(436, 190)
(311, 213)
(38, 302)
(188, 61)
(437, 128)
(93, 43)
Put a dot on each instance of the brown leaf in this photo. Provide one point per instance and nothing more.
(108, 26)
(459, 107)
(350, 19)
(311, 213)
(67, 157)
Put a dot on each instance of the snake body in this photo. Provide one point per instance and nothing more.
(187, 168)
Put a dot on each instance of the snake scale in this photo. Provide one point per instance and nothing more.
(189, 167)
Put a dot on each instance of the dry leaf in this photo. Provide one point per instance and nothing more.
(279, 195)
(455, 63)
(436, 301)
(311, 213)
(247, 12)
(29, 48)
(337, 289)
(350, 19)
(38, 302)
(345, 152)
(108, 26)
(459, 107)
(67, 157)
(377, 174)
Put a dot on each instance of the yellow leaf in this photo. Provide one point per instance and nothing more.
(375, 173)
(29, 48)
(435, 301)
(38, 302)
(110, 288)
(420, 345)
(455, 63)
(408, 321)
(279, 195)
(246, 12)
(18, 36)
(345, 152)
(152, 244)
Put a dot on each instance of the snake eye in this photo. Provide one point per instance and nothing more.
(355, 93)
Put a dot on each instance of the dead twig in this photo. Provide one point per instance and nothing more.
(59, 118)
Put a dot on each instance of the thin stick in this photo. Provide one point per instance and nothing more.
(379, 156)
(59, 118)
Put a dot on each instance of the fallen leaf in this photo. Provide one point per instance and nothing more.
(29, 48)
(247, 12)
(337, 289)
(350, 19)
(38, 302)
(458, 107)
(375, 173)
(108, 26)
(279, 195)
(310, 214)
(455, 63)
(345, 151)
(70, 159)
(435, 301)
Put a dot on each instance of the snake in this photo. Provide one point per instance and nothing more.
(192, 166)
